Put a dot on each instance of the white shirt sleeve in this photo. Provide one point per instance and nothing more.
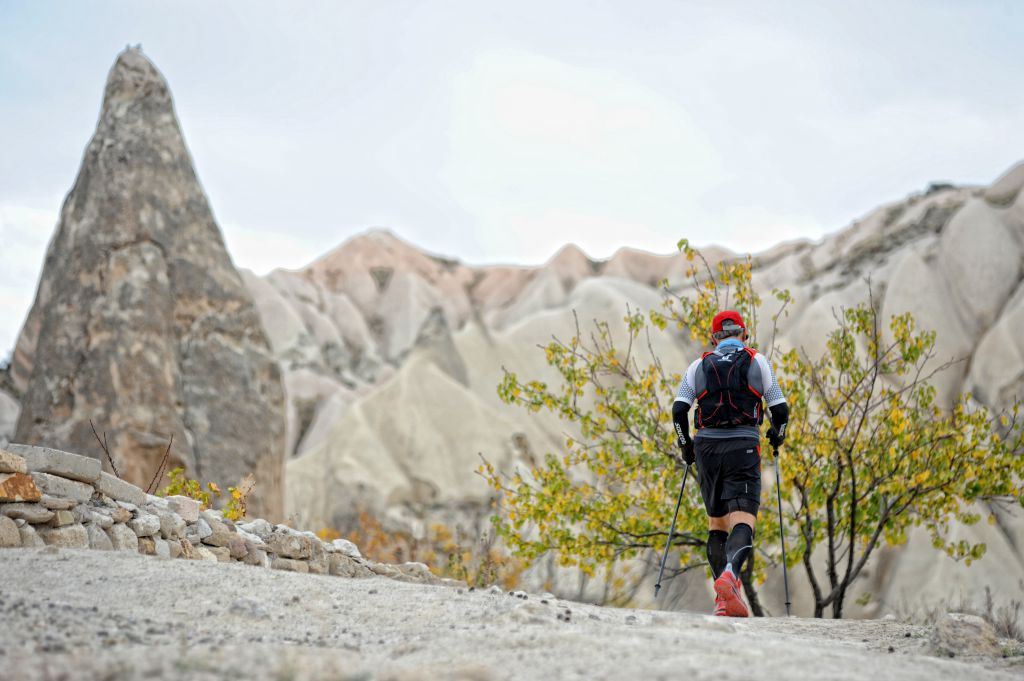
(773, 393)
(687, 393)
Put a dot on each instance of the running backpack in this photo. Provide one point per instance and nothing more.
(728, 400)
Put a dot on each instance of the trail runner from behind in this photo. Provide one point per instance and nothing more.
(731, 385)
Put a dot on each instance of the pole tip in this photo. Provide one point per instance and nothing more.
(657, 587)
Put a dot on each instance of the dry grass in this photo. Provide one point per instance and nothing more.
(474, 559)
(1007, 619)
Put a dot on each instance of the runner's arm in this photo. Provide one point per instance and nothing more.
(681, 408)
(681, 420)
(780, 417)
(774, 398)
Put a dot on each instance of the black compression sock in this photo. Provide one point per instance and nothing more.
(716, 551)
(738, 547)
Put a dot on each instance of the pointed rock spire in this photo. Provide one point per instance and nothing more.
(141, 322)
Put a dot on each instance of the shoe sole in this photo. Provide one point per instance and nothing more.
(729, 593)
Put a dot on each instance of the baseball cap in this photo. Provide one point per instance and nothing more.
(727, 320)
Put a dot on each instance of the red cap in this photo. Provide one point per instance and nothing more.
(719, 322)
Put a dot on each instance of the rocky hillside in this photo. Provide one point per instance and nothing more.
(141, 322)
(391, 355)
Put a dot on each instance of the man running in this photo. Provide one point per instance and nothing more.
(730, 385)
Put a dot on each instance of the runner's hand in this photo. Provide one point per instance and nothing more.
(688, 454)
(775, 437)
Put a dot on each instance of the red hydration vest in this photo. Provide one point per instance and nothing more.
(728, 400)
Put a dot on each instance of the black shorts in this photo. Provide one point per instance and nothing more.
(730, 475)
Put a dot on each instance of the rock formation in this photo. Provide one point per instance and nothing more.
(9, 410)
(141, 322)
(389, 407)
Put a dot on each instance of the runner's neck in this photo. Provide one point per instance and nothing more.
(730, 343)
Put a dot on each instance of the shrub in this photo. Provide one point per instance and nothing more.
(235, 507)
(476, 560)
(869, 452)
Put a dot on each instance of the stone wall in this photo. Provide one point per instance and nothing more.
(54, 498)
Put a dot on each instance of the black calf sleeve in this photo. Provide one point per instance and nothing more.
(716, 551)
(738, 546)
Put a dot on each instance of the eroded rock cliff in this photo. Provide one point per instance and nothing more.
(141, 322)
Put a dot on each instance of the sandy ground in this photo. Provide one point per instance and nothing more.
(90, 615)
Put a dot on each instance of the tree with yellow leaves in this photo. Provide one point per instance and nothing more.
(603, 500)
(869, 452)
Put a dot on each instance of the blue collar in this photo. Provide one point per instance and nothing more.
(730, 343)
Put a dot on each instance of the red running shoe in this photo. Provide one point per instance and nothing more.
(719, 606)
(729, 588)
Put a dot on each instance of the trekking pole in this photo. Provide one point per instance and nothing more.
(671, 532)
(782, 534)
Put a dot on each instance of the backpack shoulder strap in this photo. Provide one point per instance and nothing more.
(701, 382)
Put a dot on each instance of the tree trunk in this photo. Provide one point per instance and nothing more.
(837, 604)
(747, 578)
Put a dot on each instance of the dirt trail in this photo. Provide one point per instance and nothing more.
(92, 615)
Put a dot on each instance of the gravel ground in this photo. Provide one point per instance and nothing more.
(91, 615)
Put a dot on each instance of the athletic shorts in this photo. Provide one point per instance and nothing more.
(730, 475)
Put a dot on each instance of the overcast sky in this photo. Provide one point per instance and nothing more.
(497, 132)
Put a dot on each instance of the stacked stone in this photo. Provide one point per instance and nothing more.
(54, 498)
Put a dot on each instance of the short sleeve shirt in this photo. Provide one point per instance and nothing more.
(761, 378)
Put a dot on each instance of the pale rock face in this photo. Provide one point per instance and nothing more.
(12, 463)
(10, 537)
(119, 490)
(65, 537)
(56, 486)
(959, 634)
(141, 321)
(31, 513)
(145, 525)
(545, 291)
(346, 547)
(1001, 347)
(918, 288)
(172, 525)
(259, 527)
(186, 507)
(1006, 189)
(401, 443)
(98, 539)
(29, 537)
(980, 257)
(57, 504)
(204, 553)
(56, 462)
(122, 538)
(9, 410)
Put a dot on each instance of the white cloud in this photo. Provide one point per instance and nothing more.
(748, 228)
(543, 152)
(262, 251)
(24, 234)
